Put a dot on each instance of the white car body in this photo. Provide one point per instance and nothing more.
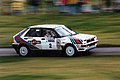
(60, 37)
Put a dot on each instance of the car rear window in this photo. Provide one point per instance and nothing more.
(33, 32)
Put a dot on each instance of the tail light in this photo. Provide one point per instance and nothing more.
(12, 40)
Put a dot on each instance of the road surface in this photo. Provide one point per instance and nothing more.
(96, 51)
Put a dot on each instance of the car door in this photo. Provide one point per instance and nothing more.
(33, 38)
(48, 40)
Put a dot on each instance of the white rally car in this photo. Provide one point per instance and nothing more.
(52, 37)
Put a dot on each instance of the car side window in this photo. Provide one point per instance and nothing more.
(34, 32)
(48, 33)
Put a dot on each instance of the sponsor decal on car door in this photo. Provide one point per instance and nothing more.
(33, 37)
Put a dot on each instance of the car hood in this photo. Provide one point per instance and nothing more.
(83, 36)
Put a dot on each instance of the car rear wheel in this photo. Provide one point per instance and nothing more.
(70, 51)
(23, 51)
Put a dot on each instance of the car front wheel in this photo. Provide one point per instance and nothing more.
(70, 51)
(23, 51)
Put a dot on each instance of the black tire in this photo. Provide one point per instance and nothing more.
(24, 51)
(70, 51)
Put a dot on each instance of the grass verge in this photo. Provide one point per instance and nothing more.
(60, 68)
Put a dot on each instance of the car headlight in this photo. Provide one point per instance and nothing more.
(85, 41)
(95, 37)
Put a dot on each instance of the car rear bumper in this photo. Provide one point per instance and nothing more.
(15, 46)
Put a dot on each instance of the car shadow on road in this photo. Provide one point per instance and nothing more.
(57, 54)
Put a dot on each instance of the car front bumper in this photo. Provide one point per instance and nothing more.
(86, 47)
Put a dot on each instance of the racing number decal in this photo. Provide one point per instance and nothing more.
(50, 45)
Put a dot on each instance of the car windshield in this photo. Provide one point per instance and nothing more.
(64, 31)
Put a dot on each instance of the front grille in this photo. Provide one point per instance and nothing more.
(90, 40)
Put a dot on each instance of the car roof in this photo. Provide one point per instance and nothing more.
(46, 26)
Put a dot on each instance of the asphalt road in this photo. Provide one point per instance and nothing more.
(94, 52)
